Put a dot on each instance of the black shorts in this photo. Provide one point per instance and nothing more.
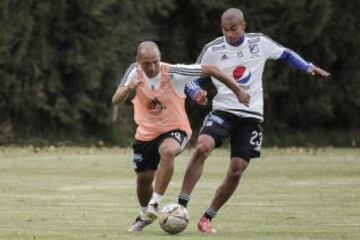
(146, 154)
(245, 133)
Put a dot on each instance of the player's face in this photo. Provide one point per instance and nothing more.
(232, 29)
(150, 63)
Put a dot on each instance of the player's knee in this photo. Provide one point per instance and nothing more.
(237, 168)
(167, 156)
(234, 174)
(202, 149)
(144, 180)
(167, 152)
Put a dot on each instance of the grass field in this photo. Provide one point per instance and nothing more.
(88, 193)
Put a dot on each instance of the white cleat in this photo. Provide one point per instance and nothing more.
(139, 224)
(152, 212)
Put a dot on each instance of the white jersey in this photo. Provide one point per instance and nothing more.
(245, 63)
(180, 75)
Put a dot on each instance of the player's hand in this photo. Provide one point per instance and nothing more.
(133, 84)
(201, 97)
(314, 70)
(243, 97)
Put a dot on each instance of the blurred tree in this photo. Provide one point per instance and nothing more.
(60, 62)
(343, 39)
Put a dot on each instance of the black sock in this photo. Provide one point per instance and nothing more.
(209, 214)
(183, 199)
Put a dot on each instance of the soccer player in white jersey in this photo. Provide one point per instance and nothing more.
(243, 56)
(163, 126)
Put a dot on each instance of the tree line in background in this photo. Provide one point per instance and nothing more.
(60, 63)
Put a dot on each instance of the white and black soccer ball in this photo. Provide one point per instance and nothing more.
(173, 218)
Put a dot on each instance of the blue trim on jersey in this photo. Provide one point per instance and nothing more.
(239, 42)
(192, 88)
(294, 60)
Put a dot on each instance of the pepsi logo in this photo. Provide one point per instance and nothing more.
(241, 74)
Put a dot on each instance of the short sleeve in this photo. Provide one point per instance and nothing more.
(204, 56)
(272, 49)
(183, 74)
(129, 75)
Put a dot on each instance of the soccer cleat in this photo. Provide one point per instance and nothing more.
(205, 226)
(152, 212)
(139, 224)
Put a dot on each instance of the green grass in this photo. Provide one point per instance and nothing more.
(85, 193)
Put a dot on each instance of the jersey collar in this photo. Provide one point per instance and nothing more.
(238, 43)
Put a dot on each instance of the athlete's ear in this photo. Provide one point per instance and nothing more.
(244, 25)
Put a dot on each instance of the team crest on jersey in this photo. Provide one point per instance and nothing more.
(254, 40)
(254, 48)
(241, 75)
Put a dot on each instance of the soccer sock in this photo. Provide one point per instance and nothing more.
(155, 199)
(183, 199)
(209, 214)
(143, 212)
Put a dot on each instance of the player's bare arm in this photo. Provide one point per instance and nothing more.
(242, 96)
(123, 92)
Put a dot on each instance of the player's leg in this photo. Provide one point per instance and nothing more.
(170, 145)
(204, 146)
(144, 188)
(144, 178)
(214, 131)
(245, 144)
(223, 193)
(229, 184)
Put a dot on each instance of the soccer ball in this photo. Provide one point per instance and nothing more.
(173, 218)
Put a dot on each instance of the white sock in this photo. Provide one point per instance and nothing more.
(143, 212)
(156, 198)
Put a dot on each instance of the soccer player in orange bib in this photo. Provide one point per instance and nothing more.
(163, 127)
